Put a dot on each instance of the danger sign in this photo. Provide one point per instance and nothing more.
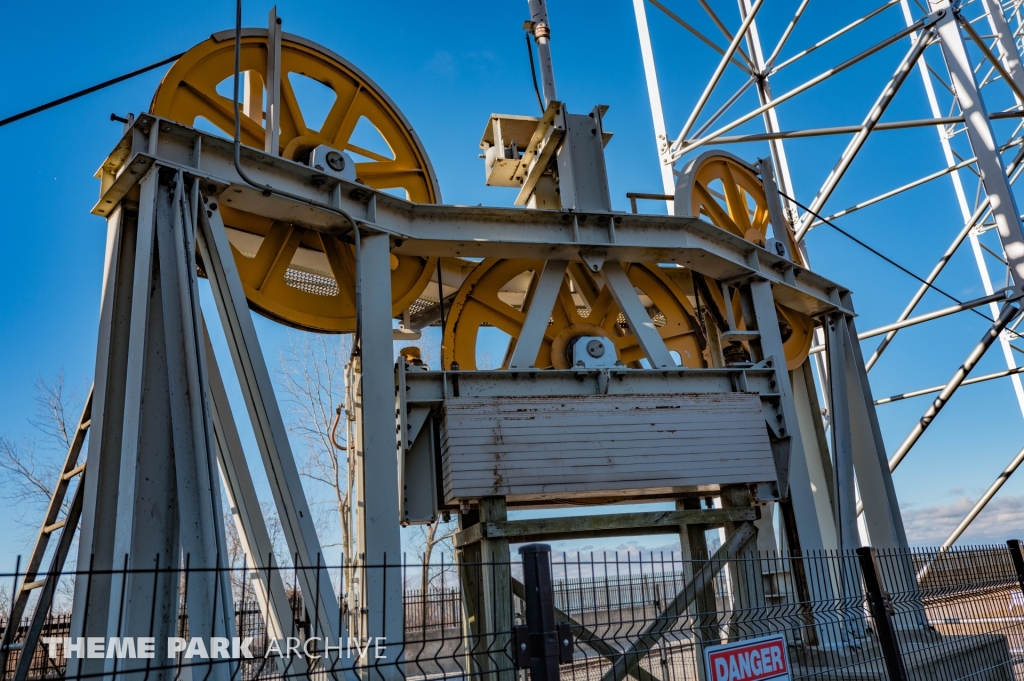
(751, 660)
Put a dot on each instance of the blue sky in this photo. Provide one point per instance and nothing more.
(448, 71)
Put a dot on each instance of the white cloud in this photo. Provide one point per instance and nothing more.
(1002, 519)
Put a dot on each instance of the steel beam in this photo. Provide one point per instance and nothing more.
(99, 505)
(538, 311)
(848, 129)
(1008, 313)
(681, 147)
(979, 506)
(938, 388)
(961, 197)
(381, 584)
(262, 567)
(720, 69)
(982, 138)
(463, 231)
(1005, 40)
(870, 121)
(845, 505)
(668, 182)
(640, 322)
(937, 314)
(268, 426)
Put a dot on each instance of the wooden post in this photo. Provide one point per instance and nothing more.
(744, 573)
(497, 592)
(705, 609)
(471, 587)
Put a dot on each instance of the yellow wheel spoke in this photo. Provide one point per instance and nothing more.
(718, 216)
(738, 209)
(292, 122)
(220, 115)
(366, 152)
(338, 116)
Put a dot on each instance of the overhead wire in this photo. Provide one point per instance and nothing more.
(884, 257)
(86, 91)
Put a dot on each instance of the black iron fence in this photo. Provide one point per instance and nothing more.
(886, 614)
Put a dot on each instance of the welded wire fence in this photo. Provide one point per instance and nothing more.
(653, 617)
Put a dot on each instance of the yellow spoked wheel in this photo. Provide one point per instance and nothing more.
(290, 273)
(306, 279)
(727, 192)
(493, 295)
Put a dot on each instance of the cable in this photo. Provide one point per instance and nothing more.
(883, 256)
(86, 91)
(533, 73)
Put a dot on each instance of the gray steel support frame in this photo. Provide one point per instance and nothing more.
(264, 572)
(541, 301)
(162, 460)
(268, 426)
(979, 132)
(381, 586)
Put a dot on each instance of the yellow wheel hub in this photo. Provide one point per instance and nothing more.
(492, 295)
(290, 273)
(728, 193)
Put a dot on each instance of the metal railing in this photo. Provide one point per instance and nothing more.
(885, 614)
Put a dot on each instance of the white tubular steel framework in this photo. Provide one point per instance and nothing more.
(969, 62)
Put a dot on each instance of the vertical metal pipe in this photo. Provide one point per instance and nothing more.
(273, 130)
(542, 35)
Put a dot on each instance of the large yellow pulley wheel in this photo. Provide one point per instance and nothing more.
(726, 191)
(492, 295)
(293, 274)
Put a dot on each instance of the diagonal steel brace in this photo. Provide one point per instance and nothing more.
(629, 660)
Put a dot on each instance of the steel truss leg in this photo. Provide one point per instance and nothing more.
(263, 570)
(633, 310)
(979, 132)
(543, 293)
(1007, 315)
(269, 430)
(160, 473)
(95, 546)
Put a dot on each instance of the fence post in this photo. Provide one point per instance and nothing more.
(877, 599)
(540, 612)
(1017, 555)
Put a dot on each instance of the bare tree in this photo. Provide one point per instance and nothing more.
(313, 377)
(29, 468)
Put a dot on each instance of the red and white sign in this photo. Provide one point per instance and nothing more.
(755, 659)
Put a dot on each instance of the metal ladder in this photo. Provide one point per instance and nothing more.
(51, 525)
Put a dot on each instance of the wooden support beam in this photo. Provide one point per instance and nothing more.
(619, 524)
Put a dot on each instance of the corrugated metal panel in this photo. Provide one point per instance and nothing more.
(600, 444)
